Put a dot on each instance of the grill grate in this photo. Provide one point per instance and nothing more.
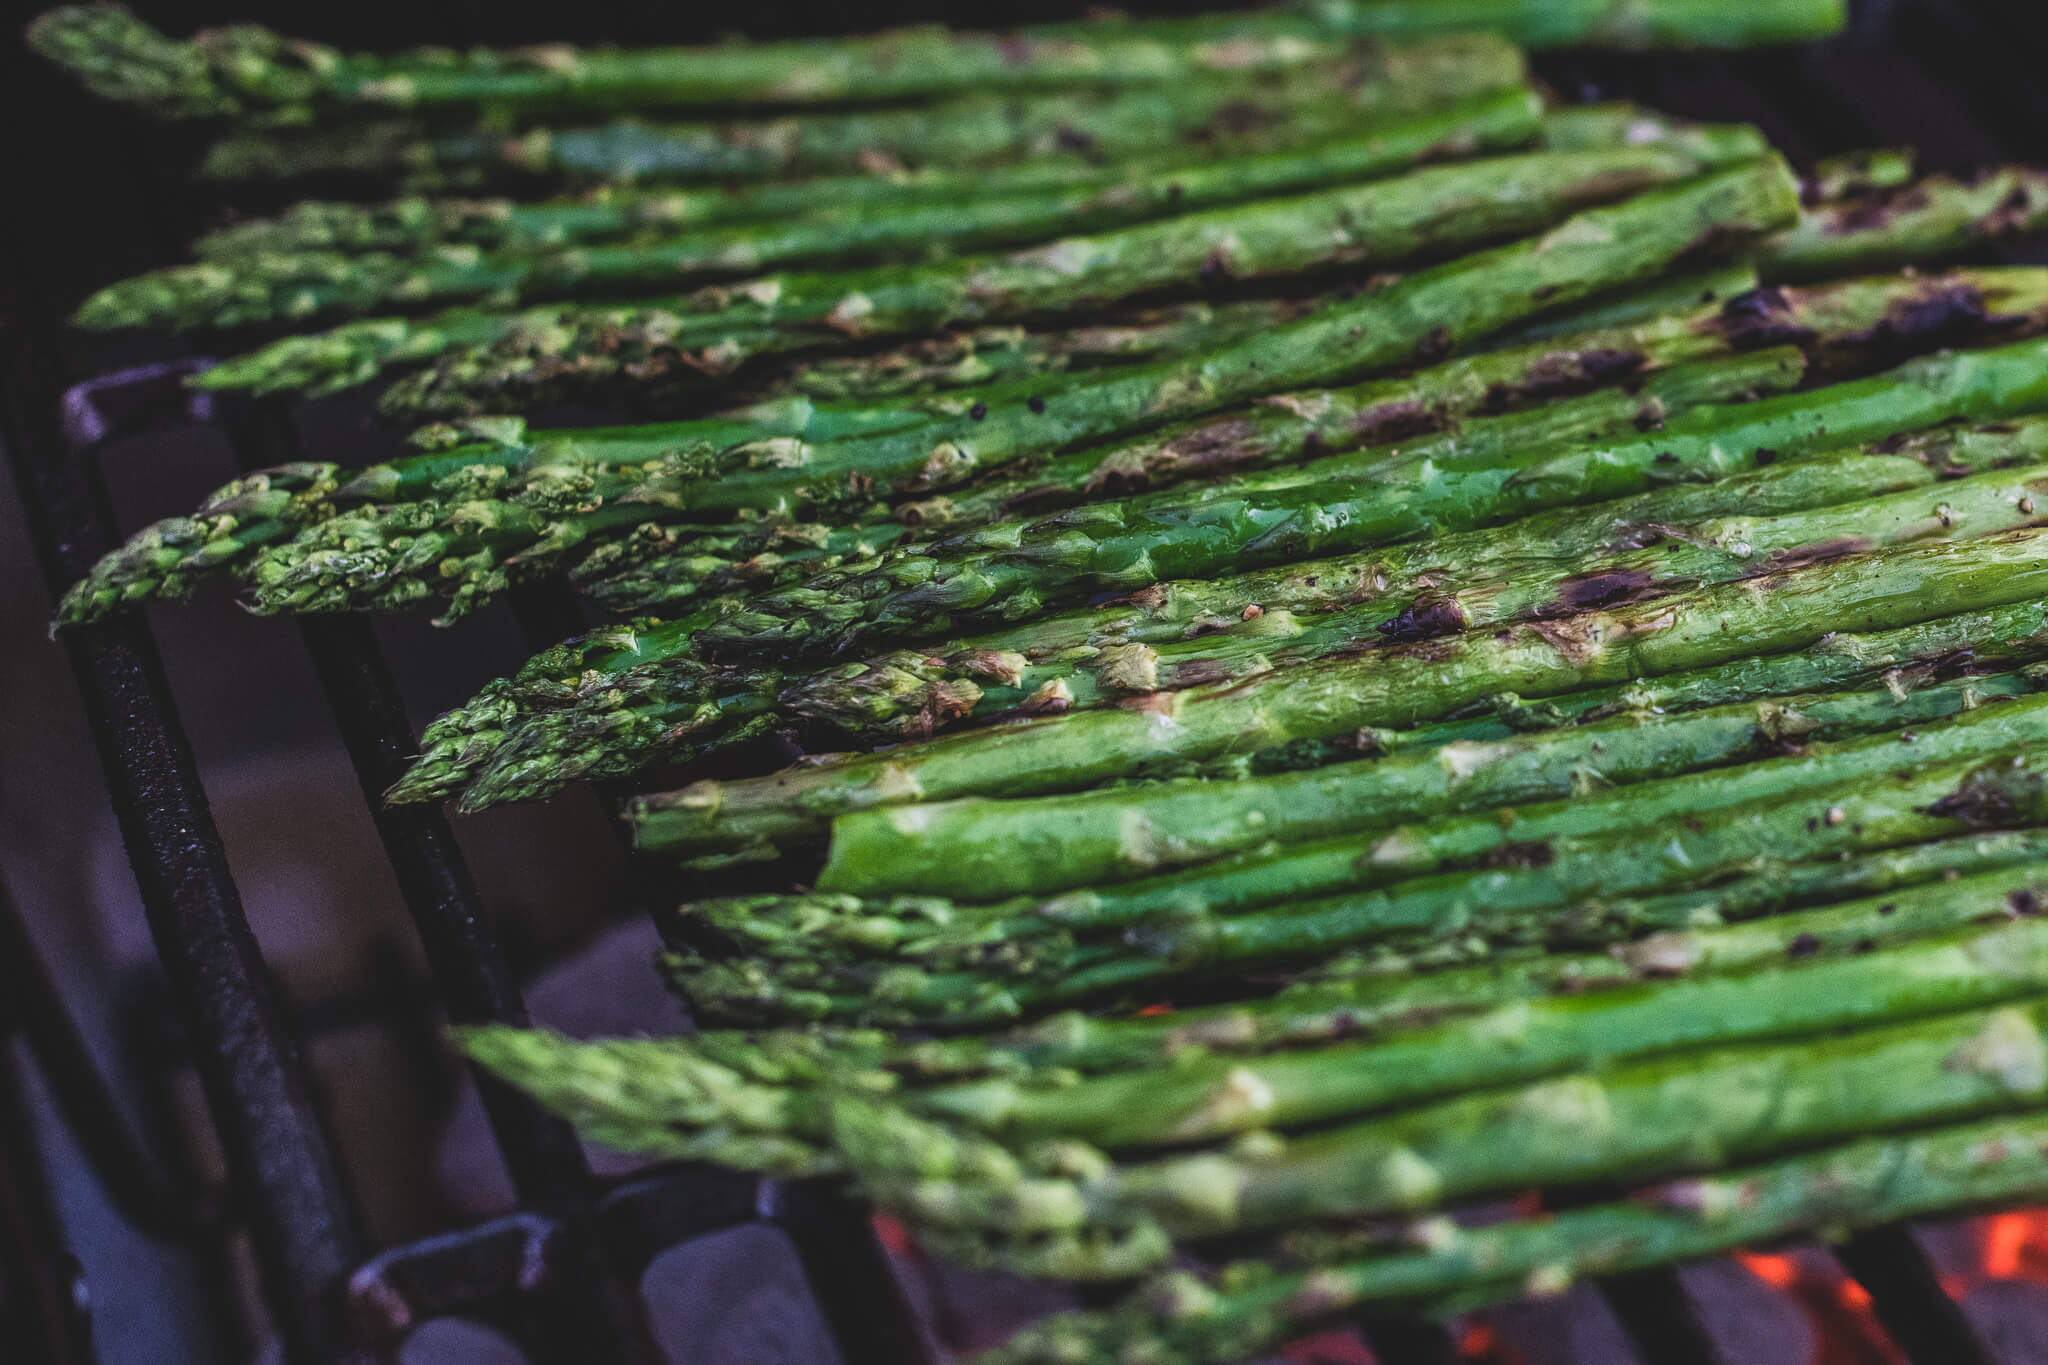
(1948, 75)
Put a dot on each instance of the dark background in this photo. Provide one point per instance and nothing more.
(89, 193)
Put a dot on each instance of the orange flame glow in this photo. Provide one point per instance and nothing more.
(2014, 1246)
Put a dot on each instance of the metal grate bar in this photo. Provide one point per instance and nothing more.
(277, 1150)
(541, 1152)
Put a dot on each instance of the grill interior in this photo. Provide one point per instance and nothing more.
(97, 431)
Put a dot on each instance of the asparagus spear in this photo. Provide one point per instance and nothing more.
(1842, 326)
(613, 725)
(613, 719)
(1587, 894)
(595, 337)
(417, 221)
(1598, 23)
(1009, 570)
(1930, 219)
(1202, 1097)
(1195, 632)
(1400, 686)
(1487, 119)
(764, 817)
(1909, 228)
(1384, 993)
(247, 70)
(1039, 940)
(1382, 222)
(981, 848)
(391, 557)
(1251, 1308)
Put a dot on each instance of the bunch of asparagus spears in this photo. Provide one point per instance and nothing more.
(1371, 641)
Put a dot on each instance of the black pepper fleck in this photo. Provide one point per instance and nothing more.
(1766, 455)
(1866, 945)
(1887, 909)
(1035, 403)
(978, 411)
(1806, 945)
(2024, 902)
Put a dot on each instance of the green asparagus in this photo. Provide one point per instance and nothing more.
(246, 70)
(612, 726)
(1403, 685)
(1252, 1308)
(1928, 220)
(1380, 222)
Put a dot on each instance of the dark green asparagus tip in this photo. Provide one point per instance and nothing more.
(118, 57)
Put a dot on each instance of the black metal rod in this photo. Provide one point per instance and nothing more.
(541, 1152)
(1906, 1294)
(132, 1176)
(43, 1314)
(849, 1274)
(278, 1152)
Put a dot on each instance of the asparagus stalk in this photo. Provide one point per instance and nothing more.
(247, 70)
(1006, 571)
(1380, 223)
(614, 725)
(1251, 1308)
(981, 848)
(414, 222)
(1201, 1096)
(395, 561)
(1405, 685)
(1383, 994)
(1038, 941)
(1586, 894)
(1496, 117)
(1931, 219)
(1597, 23)
(1193, 634)
(1842, 327)
(355, 353)
(1546, 565)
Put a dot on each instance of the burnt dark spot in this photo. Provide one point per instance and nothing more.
(1649, 420)
(978, 411)
(1528, 854)
(1564, 372)
(1941, 313)
(1035, 403)
(1812, 824)
(1174, 192)
(1666, 457)
(1586, 591)
(1799, 556)
(1887, 909)
(1765, 456)
(1761, 317)
(1805, 945)
(1394, 420)
(1996, 794)
(1892, 445)
(1875, 210)
(2014, 213)
(1073, 139)
(2024, 902)
(1435, 346)
(1217, 267)
(1865, 945)
(1424, 620)
(1196, 672)
(1543, 292)
(1241, 116)
(1313, 446)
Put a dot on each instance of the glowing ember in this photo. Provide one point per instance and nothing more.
(1477, 1342)
(2014, 1246)
(1328, 1348)
(1846, 1330)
